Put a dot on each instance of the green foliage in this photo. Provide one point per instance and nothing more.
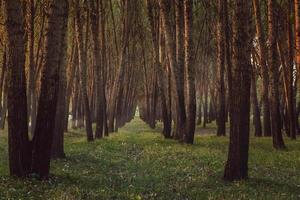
(137, 163)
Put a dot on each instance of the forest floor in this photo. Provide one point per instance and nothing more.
(137, 163)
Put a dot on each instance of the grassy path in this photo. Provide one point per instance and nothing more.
(137, 163)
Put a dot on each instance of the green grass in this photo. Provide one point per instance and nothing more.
(137, 163)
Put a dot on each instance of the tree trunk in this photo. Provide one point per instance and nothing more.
(274, 78)
(237, 163)
(94, 15)
(255, 107)
(18, 141)
(265, 73)
(297, 32)
(190, 69)
(55, 53)
(176, 68)
(58, 138)
(82, 58)
(160, 73)
(221, 118)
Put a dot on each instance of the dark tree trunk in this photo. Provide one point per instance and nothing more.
(55, 48)
(58, 135)
(274, 78)
(221, 113)
(18, 141)
(237, 163)
(190, 69)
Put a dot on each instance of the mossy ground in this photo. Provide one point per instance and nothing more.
(137, 163)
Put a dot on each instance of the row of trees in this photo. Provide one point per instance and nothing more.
(255, 45)
(98, 60)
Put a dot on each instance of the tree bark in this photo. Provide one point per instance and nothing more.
(274, 78)
(190, 69)
(221, 118)
(297, 32)
(94, 15)
(55, 51)
(18, 141)
(237, 163)
(176, 68)
(82, 61)
(264, 68)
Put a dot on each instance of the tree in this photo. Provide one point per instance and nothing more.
(82, 57)
(221, 118)
(160, 73)
(24, 156)
(274, 77)
(190, 69)
(297, 32)
(18, 141)
(94, 15)
(237, 164)
(264, 68)
(55, 56)
(176, 68)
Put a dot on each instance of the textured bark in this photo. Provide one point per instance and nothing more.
(59, 129)
(228, 45)
(221, 112)
(237, 163)
(160, 73)
(18, 141)
(118, 85)
(190, 69)
(94, 15)
(104, 62)
(265, 71)
(297, 32)
(274, 78)
(176, 68)
(54, 61)
(291, 101)
(82, 61)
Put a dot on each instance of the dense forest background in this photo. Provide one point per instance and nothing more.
(91, 65)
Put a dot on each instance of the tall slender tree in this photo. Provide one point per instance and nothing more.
(190, 69)
(221, 118)
(82, 57)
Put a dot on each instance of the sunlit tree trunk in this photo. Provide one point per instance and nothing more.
(263, 63)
